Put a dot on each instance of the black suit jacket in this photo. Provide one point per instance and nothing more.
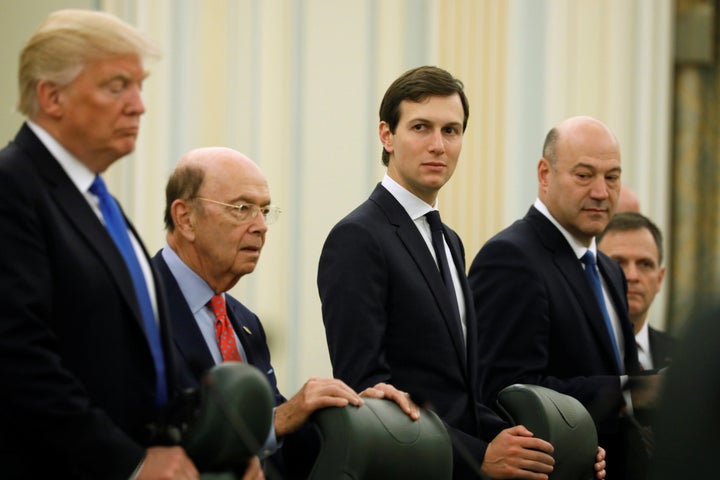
(193, 356)
(77, 372)
(388, 319)
(662, 345)
(539, 322)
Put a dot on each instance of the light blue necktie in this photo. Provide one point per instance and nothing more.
(593, 277)
(117, 228)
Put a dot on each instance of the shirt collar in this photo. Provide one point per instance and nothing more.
(414, 206)
(196, 291)
(577, 247)
(643, 338)
(79, 174)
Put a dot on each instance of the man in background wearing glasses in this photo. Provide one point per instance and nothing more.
(217, 214)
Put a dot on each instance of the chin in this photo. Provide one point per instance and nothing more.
(125, 147)
(246, 268)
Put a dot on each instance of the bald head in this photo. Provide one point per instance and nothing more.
(575, 132)
(209, 166)
(579, 176)
(627, 201)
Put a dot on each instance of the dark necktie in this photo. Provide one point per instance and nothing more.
(433, 219)
(117, 228)
(593, 277)
(224, 333)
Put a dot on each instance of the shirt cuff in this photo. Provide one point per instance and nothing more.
(136, 472)
(271, 443)
(627, 395)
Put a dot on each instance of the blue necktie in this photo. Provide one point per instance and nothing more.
(433, 219)
(117, 228)
(593, 277)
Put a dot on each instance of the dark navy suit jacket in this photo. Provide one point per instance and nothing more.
(662, 346)
(193, 356)
(388, 318)
(539, 322)
(78, 381)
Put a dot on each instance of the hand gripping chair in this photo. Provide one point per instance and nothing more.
(379, 441)
(232, 421)
(561, 420)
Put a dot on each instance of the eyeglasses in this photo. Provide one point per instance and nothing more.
(247, 212)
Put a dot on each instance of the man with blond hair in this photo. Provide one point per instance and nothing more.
(86, 364)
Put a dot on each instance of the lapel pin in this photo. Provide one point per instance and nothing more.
(247, 330)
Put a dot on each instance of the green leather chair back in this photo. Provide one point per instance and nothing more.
(561, 420)
(233, 419)
(378, 441)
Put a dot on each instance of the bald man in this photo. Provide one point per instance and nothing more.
(539, 316)
(218, 209)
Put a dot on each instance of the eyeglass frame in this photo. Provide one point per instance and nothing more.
(270, 216)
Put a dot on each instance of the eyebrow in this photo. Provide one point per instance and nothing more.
(242, 198)
(427, 120)
(594, 168)
(124, 77)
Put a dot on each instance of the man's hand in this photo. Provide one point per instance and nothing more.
(600, 463)
(515, 453)
(167, 463)
(317, 393)
(388, 392)
(254, 470)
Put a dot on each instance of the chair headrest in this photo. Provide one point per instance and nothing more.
(233, 419)
(379, 441)
(559, 419)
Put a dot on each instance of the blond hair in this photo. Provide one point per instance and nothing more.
(68, 40)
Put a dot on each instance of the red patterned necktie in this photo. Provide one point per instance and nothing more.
(223, 331)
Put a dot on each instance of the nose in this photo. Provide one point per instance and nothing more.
(134, 105)
(631, 272)
(599, 189)
(258, 223)
(437, 142)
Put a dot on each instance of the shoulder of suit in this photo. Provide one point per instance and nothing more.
(235, 304)
(661, 334)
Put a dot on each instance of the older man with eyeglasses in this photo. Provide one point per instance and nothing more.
(218, 209)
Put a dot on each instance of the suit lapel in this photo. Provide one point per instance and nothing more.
(410, 237)
(186, 333)
(242, 331)
(74, 207)
(571, 269)
(661, 348)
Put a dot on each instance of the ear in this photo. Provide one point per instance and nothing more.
(184, 219)
(49, 98)
(386, 136)
(661, 275)
(543, 173)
